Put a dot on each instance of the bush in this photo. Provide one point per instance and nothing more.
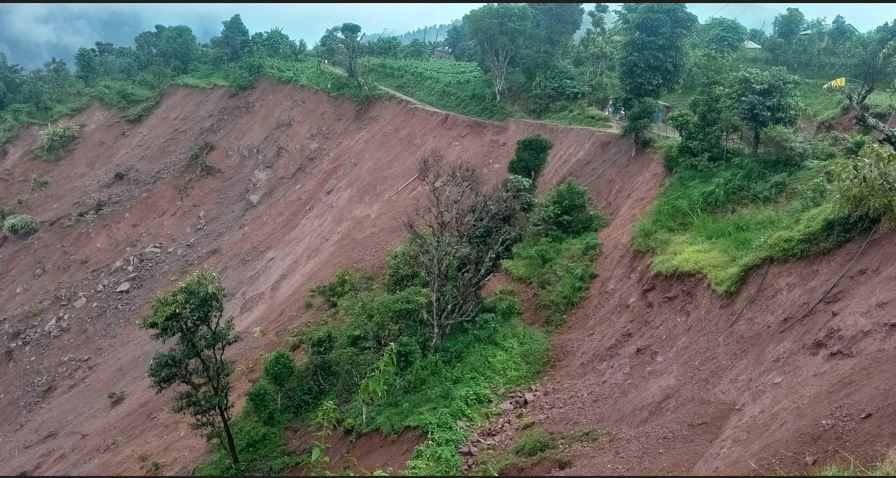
(530, 157)
(56, 139)
(519, 189)
(344, 283)
(402, 271)
(866, 185)
(136, 114)
(19, 224)
(532, 444)
(196, 161)
(564, 211)
(39, 182)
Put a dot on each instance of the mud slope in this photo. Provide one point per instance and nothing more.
(687, 389)
(306, 185)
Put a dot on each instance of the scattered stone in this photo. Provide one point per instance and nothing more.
(118, 264)
(99, 287)
(508, 405)
(79, 303)
(152, 249)
(254, 198)
(865, 415)
(810, 460)
(124, 287)
(777, 380)
(257, 332)
(130, 268)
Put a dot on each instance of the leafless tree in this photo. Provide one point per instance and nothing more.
(458, 237)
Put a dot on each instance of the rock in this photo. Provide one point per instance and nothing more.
(254, 198)
(79, 303)
(153, 250)
(777, 380)
(119, 263)
(124, 287)
(507, 405)
(648, 287)
(257, 332)
(810, 460)
(50, 325)
(99, 287)
(530, 397)
(864, 415)
(130, 268)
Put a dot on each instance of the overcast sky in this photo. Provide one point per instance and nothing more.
(32, 33)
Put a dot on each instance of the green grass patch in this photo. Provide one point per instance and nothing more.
(307, 74)
(557, 254)
(19, 225)
(725, 220)
(886, 467)
(459, 87)
(580, 116)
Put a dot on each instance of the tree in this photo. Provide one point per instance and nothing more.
(652, 55)
(757, 36)
(498, 32)
(87, 65)
(234, 41)
(458, 44)
(788, 25)
(276, 44)
(725, 35)
(192, 315)
(764, 98)
(554, 25)
(171, 47)
(530, 157)
(840, 32)
(458, 238)
(415, 50)
(385, 47)
(342, 43)
(11, 80)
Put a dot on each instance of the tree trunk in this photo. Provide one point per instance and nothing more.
(231, 448)
(756, 141)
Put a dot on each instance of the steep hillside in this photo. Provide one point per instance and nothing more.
(306, 185)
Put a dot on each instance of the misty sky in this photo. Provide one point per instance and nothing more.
(31, 33)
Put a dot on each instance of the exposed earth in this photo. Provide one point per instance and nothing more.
(308, 184)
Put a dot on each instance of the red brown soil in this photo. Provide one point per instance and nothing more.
(306, 186)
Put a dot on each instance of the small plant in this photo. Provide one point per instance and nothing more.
(39, 182)
(532, 443)
(33, 311)
(115, 398)
(19, 225)
(197, 162)
(148, 467)
(56, 140)
(136, 114)
(309, 302)
(867, 184)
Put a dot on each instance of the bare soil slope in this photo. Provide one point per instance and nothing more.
(306, 185)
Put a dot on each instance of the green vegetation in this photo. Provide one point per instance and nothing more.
(557, 255)
(196, 161)
(886, 467)
(19, 225)
(455, 86)
(533, 446)
(56, 140)
(39, 182)
(530, 156)
(724, 220)
(191, 315)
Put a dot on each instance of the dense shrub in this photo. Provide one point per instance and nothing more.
(345, 282)
(639, 120)
(867, 184)
(564, 211)
(19, 225)
(56, 139)
(530, 157)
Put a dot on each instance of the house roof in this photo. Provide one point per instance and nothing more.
(751, 45)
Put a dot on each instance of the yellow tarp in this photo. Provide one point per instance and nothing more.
(838, 83)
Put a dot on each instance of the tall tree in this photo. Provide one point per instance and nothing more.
(788, 25)
(499, 32)
(192, 315)
(764, 98)
(554, 25)
(724, 35)
(652, 54)
(11, 80)
(233, 42)
(172, 47)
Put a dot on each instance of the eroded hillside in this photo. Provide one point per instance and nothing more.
(305, 185)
